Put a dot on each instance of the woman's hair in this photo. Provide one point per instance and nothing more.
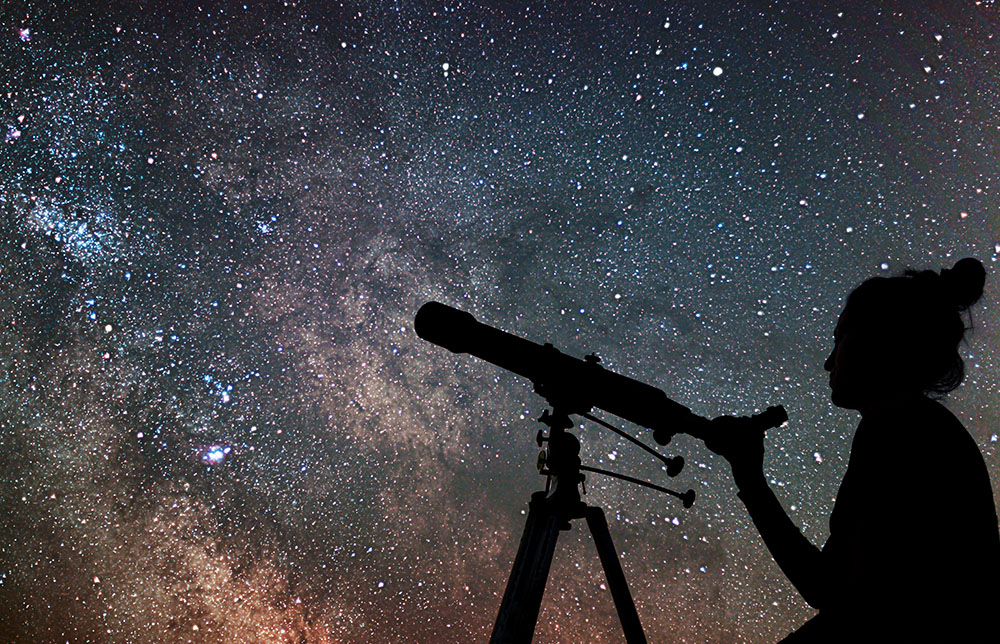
(916, 320)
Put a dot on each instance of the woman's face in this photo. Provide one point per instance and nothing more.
(860, 369)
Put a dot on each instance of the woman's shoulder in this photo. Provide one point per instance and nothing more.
(909, 408)
(914, 421)
(908, 439)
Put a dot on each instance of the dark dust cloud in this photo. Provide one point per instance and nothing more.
(216, 422)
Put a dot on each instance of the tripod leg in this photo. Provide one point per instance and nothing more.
(627, 614)
(523, 596)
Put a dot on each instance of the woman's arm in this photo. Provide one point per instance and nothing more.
(800, 560)
(797, 557)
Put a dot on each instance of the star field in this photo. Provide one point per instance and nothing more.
(218, 220)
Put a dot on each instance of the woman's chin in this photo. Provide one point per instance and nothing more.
(844, 400)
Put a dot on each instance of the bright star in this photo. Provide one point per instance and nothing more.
(215, 454)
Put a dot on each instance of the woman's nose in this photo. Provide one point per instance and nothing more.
(828, 365)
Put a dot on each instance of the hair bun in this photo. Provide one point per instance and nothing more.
(964, 282)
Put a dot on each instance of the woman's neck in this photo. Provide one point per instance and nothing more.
(888, 400)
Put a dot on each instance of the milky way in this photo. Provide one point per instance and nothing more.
(217, 222)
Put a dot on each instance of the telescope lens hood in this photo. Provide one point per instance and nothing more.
(445, 326)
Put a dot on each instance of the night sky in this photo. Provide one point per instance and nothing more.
(217, 221)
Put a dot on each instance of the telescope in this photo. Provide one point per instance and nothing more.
(571, 386)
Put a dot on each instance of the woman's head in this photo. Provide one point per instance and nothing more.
(901, 334)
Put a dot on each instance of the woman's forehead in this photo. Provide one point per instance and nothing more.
(841, 325)
(847, 321)
(864, 319)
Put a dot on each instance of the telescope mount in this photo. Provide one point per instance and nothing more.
(549, 512)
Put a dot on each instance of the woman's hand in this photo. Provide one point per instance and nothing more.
(740, 441)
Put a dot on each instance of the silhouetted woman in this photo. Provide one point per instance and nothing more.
(914, 551)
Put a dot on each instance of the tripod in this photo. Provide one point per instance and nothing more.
(549, 512)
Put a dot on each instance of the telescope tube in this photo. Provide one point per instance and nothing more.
(570, 383)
